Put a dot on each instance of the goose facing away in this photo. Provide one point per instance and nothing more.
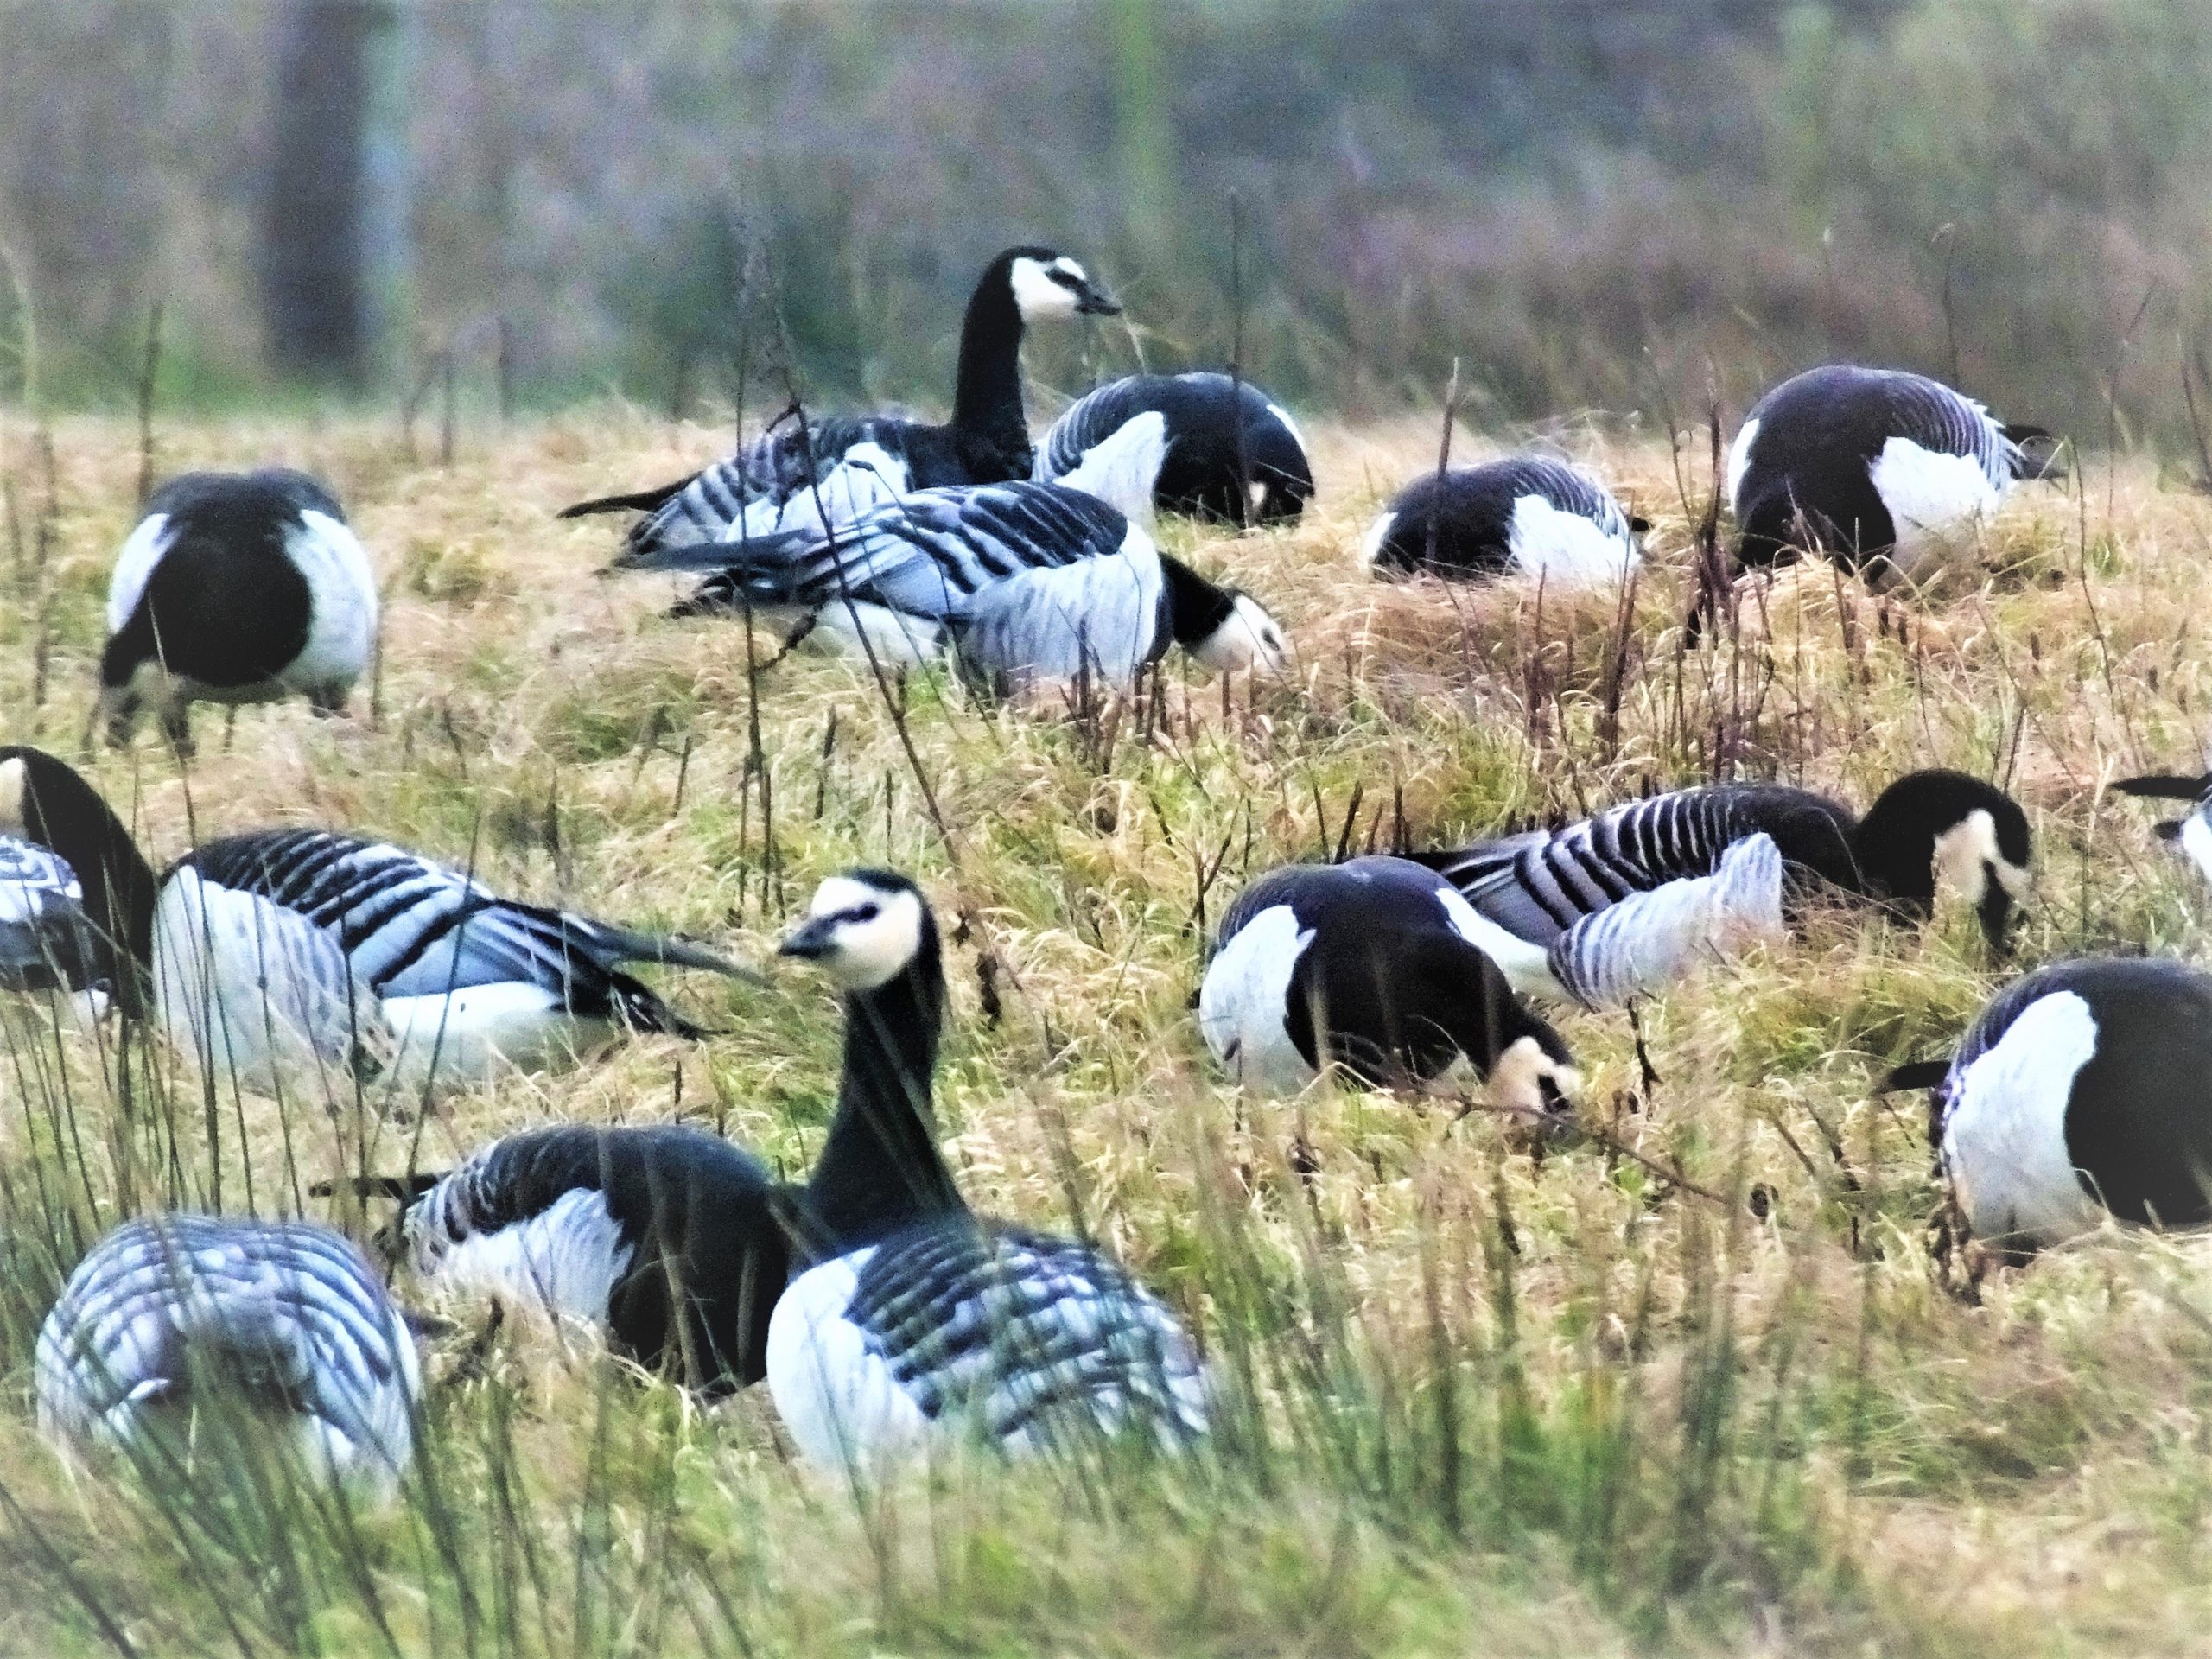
(914, 1325)
(1874, 465)
(662, 1237)
(1526, 515)
(283, 951)
(2083, 1090)
(1233, 453)
(1375, 965)
(881, 456)
(170, 1319)
(1022, 579)
(1549, 893)
(235, 588)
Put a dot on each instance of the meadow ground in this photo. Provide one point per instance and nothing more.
(1696, 1383)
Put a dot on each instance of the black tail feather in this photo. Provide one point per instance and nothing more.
(2164, 786)
(630, 501)
(403, 1188)
(1915, 1074)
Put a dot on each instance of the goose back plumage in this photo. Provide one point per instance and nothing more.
(1205, 472)
(663, 1236)
(236, 587)
(285, 1320)
(1869, 463)
(1526, 514)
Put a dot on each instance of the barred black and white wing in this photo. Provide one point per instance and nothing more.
(1650, 939)
(47, 942)
(361, 950)
(951, 1335)
(661, 1236)
(192, 1315)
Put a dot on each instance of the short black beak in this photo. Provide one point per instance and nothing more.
(1996, 913)
(1094, 301)
(1555, 1099)
(810, 943)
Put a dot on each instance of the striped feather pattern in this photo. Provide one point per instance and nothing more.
(286, 1317)
(1023, 1337)
(1650, 939)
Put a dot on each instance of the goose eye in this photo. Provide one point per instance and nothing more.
(867, 912)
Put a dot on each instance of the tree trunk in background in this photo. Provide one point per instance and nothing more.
(314, 278)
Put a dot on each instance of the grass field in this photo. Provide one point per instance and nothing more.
(1693, 1384)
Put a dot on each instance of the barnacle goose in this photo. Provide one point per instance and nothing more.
(1376, 966)
(1021, 580)
(235, 588)
(302, 948)
(1527, 514)
(2083, 1090)
(2192, 833)
(1872, 463)
(662, 1237)
(880, 456)
(1258, 476)
(170, 1322)
(912, 1324)
(1631, 898)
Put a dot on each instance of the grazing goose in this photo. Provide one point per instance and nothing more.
(1615, 901)
(2192, 833)
(986, 441)
(913, 1325)
(1529, 515)
(2083, 1089)
(1375, 965)
(235, 588)
(620, 1227)
(288, 948)
(1023, 580)
(1872, 463)
(168, 1323)
(1257, 475)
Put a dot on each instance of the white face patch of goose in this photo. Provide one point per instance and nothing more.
(1247, 638)
(1039, 294)
(1517, 1081)
(15, 780)
(1967, 852)
(875, 934)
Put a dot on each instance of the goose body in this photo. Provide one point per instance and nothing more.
(47, 941)
(1526, 515)
(1023, 580)
(1556, 890)
(1867, 464)
(1259, 475)
(236, 587)
(662, 1237)
(798, 474)
(912, 1325)
(284, 1320)
(2083, 1089)
(1378, 966)
(288, 952)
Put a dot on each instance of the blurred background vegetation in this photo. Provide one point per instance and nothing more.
(1630, 204)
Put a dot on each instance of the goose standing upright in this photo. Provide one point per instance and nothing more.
(1631, 898)
(283, 951)
(172, 1321)
(1872, 464)
(1373, 965)
(235, 588)
(2083, 1090)
(1234, 454)
(1529, 515)
(861, 461)
(913, 1325)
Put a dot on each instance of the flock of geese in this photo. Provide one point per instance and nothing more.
(884, 1315)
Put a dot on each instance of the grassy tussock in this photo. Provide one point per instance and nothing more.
(1692, 1385)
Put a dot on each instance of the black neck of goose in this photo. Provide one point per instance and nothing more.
(986, 408)
(881, 1169)
(63, 812)
(1196, 607)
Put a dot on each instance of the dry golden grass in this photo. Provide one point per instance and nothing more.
(1891, 1469)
